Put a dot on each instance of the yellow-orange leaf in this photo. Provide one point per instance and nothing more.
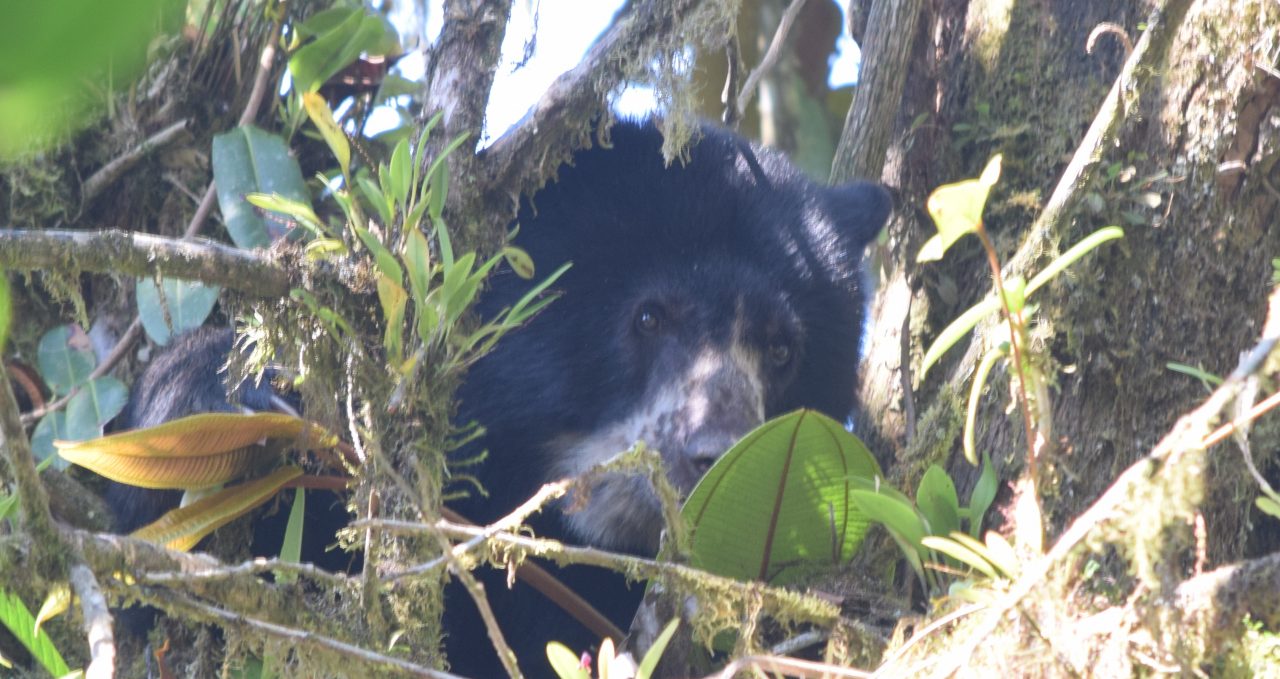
(192, 452)
(182, 528)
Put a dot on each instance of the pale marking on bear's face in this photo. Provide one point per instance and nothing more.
(690, 421)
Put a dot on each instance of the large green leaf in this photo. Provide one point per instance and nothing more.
(247, 160)
(188, 304)
(780, 500)
(5, 309)
(65, 358)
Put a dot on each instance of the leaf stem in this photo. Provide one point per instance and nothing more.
(1015, 341)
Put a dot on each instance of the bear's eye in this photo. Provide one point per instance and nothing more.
(648, 319)
(779, 354)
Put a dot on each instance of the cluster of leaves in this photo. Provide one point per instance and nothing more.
(66, 362)
(609, 665)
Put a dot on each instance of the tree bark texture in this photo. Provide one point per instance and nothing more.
(1188, 283)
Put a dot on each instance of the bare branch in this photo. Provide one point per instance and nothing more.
(112, 171)
(97, 623)
(770, 57)
(891, 33)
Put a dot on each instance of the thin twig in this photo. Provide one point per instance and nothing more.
(770, 57)
(111, 172)
(251, 567)
(791, 667)
(183, 603)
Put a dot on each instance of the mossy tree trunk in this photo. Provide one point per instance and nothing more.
(1189, 283)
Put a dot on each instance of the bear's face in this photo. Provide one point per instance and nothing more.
(703, 298)
(704, 351)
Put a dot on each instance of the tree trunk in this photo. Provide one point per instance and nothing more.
(1188, 284)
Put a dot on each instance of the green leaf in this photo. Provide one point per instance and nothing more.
(189, 303)
(291, 548)
(382, 257)
(983, 494)
(373, 193)
(961, 553)
(938, 501)
(957, 210)
(654, 654)
(1069, 257)
(65, 358)
(780, 498)
(339, 41)
(956, 330)
(975, 396)
(519, 261)
(1196, 372)
(51, 427)
(300, 211)
(521, 310)
(320, 115)
(393, 300)
(1268, 506)
(899, 518)
(93, 406)
(247, 160)
(565, 663)
(399, 173)
(417, 257)
(21, 624)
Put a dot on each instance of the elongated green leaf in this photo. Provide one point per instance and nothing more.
(320, 115)
(937, 500)
(302, 212)
(65, 358)
(780, 498)
(975, 397)
(382, 257)
(188, 304)
(956, 330)
(984, 493)
(247, 160)
(183, 528)
(374, 194)
(17, 618)
(399, 174)
(417, 258)
(1070, 257)
(654, 654)
(291, 548)
(55, 603)
(961, 553)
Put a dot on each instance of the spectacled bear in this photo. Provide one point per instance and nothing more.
(703, 298)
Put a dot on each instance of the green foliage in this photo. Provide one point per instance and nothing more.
(932, 524)
(779, 501)
(247, 160)
(1118, 193)
(56, 57)
(291, 547)
(17, 618)
(66, 362)
(173, 306)
(957, 210)
(341, 35)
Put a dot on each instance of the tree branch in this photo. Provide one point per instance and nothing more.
(253, 273)
(891, 32)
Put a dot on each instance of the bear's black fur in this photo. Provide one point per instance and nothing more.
(703, 298)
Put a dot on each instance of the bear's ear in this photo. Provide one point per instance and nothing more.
(859, 210)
